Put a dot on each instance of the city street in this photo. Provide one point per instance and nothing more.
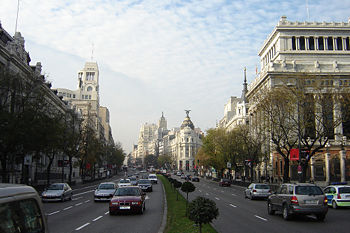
(82, 214)
(237, 214)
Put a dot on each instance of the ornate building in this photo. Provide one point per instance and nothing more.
(314, 51)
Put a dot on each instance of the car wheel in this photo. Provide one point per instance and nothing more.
(320, 217)
(142, 209)
(334, 205)
(270, 209)
(285, 213)
(111, 212)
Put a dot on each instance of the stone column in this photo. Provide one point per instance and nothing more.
(316, 43)
(325, 43)
(342, 155)
(312, 168)
(335, 43)
(326, 158)
(307, 47)
(297, 43)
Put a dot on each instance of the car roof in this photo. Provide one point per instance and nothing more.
(338, 186)
(7, 190)
(107, 183)
(126, 187)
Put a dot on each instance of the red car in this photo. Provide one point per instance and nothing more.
(127, 199)
(225, 182)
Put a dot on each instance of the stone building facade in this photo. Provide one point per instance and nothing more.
(312, 51)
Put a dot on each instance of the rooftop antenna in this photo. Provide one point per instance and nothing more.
(92, 52)
(307, 10)
(17, 15)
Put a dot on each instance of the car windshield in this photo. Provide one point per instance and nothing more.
(55, 187)
(144, 182)
(132, 178)
(127, 192)
(262, 186)
(308, 190)
(124, 181)
(106, 186)
(225, 180)
(152, 176)
(344, 190)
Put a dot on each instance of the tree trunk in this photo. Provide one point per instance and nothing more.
(48, 170)
(286, 171)
(200, 227)
(70, 170)
(4, 173)
(186, 203)
(251, 173)
(304, 167)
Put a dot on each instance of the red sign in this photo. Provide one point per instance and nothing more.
(294, 154)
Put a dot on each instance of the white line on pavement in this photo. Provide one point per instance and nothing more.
(97, 218)
(233, 205)
(84, 192)
(207, 194)
(200, 191)
(234, 194)
(86, 201)
(67, 208)
(54, 212)
(107, 212)
(260, 217)
(82, 226)
(78, 204)
(222, 191)
(217, 198)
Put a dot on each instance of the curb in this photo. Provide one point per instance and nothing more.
(165, 211)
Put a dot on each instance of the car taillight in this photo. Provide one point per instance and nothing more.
(339, 197)
(325, 201)
(254, 191)
(294, 200)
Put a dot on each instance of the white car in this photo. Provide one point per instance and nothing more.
(105, 191)
(124, 182)
(153, 178)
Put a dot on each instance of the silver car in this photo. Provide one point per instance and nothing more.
(105, 191)
(57, 192)
(133, 181)
(302, 199)
(257, 190)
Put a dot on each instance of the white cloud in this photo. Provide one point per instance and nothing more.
(156, 55)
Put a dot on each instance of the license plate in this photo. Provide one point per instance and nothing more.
(311, 202)
(124, 207)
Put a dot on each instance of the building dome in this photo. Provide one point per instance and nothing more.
(187, 122)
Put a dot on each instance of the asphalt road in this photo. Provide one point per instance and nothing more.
(237, 214)
(82, 214)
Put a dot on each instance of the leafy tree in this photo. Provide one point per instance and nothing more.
(165, 161)
(202, 211)
(150, 160)
(187, 187)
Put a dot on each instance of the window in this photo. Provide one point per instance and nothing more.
(89, 88)
(21, 216)
(320, 43)
(74, 96)
(330, 43)
(90, 76)
(89, 97)
(302, 43)
(347, 43)
(339, 43)
(294, 47)
(311, 43)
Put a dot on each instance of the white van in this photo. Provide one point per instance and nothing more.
(153, 178)
(21, 210)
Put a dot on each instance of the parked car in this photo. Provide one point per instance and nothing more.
(225, 182)
(21, 209)
(188, 177)
(145, 185)
(195, 179)
(133, 181)
(105, 191)
(128, 199)
(298, 199)
(179, 173)
(338, 195)
(257, 190)
(57, 192)
(183, 176)
(153, 178)
(124, 182)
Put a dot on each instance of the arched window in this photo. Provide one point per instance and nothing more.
(89, 88)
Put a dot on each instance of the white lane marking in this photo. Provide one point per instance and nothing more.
(147, 198)
(234, 194)
(207, 194)
(84, 192)
(74, 199)
(222, 191)
(200, 190)
(54, 212)
(86, 201)
(67, 208)
(82, 226)
(217, 198)
(260, 217)
(107, 212)
(97, 218)
(233, 205)
(78, 204)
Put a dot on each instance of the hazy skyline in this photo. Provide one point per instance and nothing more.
(157, 56)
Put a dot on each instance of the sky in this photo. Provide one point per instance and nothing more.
(157, 56)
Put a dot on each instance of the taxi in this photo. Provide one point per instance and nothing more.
(338, 195)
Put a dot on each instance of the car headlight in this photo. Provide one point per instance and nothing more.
(115, 203)
(136, 203)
